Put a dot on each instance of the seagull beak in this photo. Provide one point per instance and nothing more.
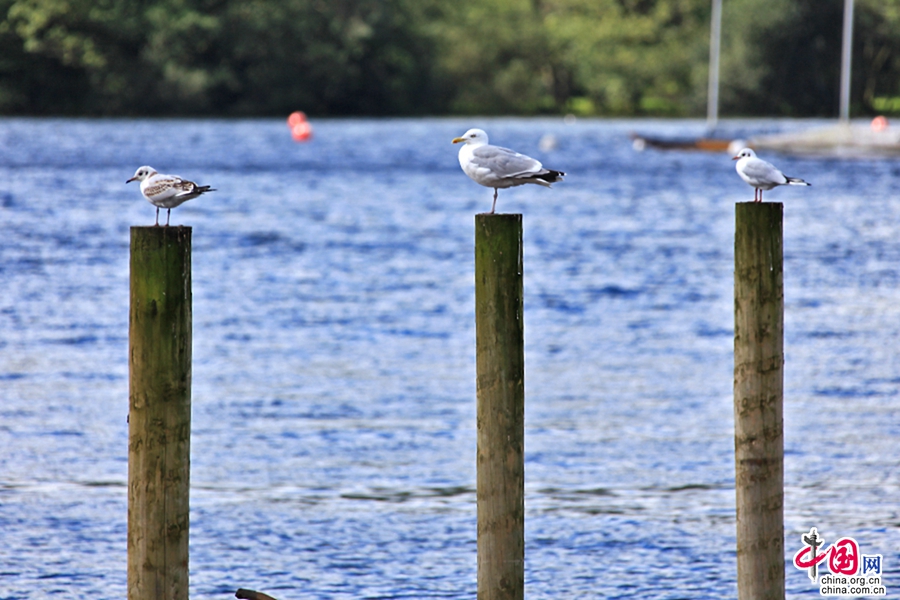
(735, 157)
(458, 140)
(130, 180)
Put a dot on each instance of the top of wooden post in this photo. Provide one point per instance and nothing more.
(160, 228)
(488, 215)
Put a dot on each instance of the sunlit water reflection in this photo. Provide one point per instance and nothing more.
(333, 377)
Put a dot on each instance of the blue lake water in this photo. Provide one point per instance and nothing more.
(333, 436)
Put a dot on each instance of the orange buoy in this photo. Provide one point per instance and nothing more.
(879, 123)
(298, 116)
(301, 131)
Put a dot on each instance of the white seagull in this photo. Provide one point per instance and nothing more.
(760, 174)
(166, 191)
(496, 167)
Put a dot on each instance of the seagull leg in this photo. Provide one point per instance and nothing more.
(157, 216)
(168, 214)
(494, 205)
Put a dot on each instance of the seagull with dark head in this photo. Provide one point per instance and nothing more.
(496, 167)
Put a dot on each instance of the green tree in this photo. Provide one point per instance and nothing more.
(876, 63)
(784, 58)
(230, 57)
(636, 56)
(30, 82)
(494, 56)
(329, 57)
(606, 56)
(381, 57)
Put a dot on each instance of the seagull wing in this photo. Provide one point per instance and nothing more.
(163, 187)
(760, 171)
(503, 163)
(183, 187)
(168, 191)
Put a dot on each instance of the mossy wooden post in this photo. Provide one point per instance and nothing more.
(159, 415)
(500, 364)
(758, 399)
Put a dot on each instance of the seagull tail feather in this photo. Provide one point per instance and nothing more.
(551, 176)
(796, 181)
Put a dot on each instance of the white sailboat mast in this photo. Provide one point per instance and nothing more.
(712, 96)
(846, 52)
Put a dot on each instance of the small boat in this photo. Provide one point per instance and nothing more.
(849, 140)
(705, 144)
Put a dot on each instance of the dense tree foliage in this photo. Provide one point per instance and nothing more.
(218, 56)
(784, 57)
(401, 57)
(606, 56)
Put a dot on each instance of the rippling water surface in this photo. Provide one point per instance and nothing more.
(333, 378)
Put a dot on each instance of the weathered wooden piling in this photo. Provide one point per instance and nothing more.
(159, 415)
(500, 364)
(758, 399)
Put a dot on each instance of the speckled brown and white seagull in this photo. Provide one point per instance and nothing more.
(496, 167)
(166, 191)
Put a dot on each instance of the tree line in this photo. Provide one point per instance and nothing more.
(416, 57)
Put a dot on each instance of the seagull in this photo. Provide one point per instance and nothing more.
(496, 167)
(166, 191)
(760, 174)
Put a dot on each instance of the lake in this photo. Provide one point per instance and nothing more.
(333, 443)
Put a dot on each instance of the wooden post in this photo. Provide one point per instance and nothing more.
(758, 399)
(159, 415)
(500, 364)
